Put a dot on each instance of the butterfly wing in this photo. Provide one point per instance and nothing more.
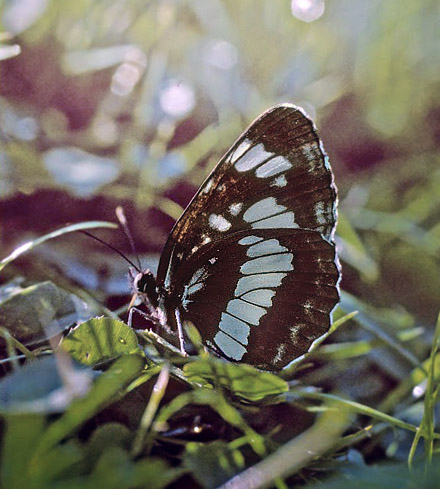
(261, 296)
(274, 185)
(276, 175)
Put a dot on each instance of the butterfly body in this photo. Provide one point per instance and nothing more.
(251, 262)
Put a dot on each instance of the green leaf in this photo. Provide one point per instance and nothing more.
(21, 436)
(356, 407)
(214, 463)
(55, 464)
(100, 340)
(241, 380)
(353, 251)
(427, 425)
(115, 470)
(395, 476)
(108, 387)
(217, 401)
(105, 436)
(366, 318)
(40, 311)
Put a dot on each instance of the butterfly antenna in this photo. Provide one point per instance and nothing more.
(123, 222)
(112, 248)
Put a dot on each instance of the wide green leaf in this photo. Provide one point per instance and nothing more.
(99, 340)
(241, 380)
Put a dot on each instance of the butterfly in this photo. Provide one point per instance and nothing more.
(252, 262)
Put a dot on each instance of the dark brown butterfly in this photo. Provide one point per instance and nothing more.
(251, 262)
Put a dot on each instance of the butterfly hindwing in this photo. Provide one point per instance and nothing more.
(262, 297)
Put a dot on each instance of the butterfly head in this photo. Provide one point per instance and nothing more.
(145, 285)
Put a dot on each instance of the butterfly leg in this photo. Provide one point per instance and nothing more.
(155, 321)
(141, 313)
(180, 332)
(148, 316)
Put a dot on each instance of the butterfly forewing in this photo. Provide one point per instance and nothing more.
(251, 262)
(276, 175)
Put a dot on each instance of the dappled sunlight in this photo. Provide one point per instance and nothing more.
(308, 10)
(177, 98)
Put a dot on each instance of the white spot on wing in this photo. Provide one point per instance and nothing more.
(320, 213)
(267, 247)
(252, 158)
(273, 167)
(270, 263)
(310, 151)
(250, 240)
(262, 209)
(229, 346)
(235, 328)
(280, 353)
(260, 297)
(208, 186)
(246, 312)
(242, 148)
(235, 209)
(279, 181)
(254, 292)
(286, 220)
(219, 223)
(294, 333)
(192, 289)
(196, 276)
(253, 282)
(195, 284)
(307, 307)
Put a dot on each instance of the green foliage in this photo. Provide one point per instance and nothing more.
(426, 428)
(108, 387)
(390, 476)
(36, 456)
(242, 381)
(213, 464)
(100, 340)
(71, 464)
(86, 125)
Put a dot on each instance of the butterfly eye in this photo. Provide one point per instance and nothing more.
(145, 283)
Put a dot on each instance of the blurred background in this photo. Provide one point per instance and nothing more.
(130, 102)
